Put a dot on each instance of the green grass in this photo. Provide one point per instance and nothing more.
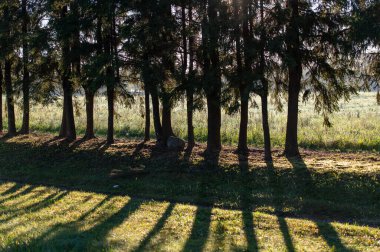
(38, 218)
(355, 127)
(131, 196)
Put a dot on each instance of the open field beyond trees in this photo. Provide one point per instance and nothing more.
(355, 127)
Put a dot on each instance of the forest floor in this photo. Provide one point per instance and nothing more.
(132, 196)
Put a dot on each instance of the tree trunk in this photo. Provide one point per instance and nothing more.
(187, 81)
(242, 145)
(1, 98)
(10, 100)
(244, 93)
(68, 122)
(214, 90)
(265, 88)
(26, 79)
(69, 109)
(190, 108)
(295, 75)
(147, 113)
(265, 121)
(213, 124)
(156, 114)
(110, 102)
(167, 130)
(89, 115)
(63, 129)
(291, 144)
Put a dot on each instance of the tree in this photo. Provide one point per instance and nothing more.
(188, 38)
(212, 83)
(293, 45)
(7, 42)
(315, 56)
(25, 64)
(1, 98)
(263, 90)
(64, 29)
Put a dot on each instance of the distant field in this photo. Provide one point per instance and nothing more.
(355, 127)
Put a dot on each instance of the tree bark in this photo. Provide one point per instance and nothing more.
(187, 81)
(265, 88)
(8, 75)
(167, 130)
(242, 145)
(89, 115)
(26, 78)
(69, 109)
(90, 90)
(10, 99)
(265, 122)
(1, 98)
(295, 75)
(63, 129)
(147, 113)
(156, 114)
(291, 144)
(190, 109)
(213, 92)
(68, 122)
(244, 93)
(213, 124)
(111, 112)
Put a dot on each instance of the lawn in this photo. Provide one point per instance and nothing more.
(132, 196)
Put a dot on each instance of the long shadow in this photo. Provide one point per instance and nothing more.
(43, 203)
(18, 193)
(97, 206)
(12, 189)
(77, 143)
(159, 225)
(65, 210)
(65, 236)
(137, 150)
(89, 169)
(99, 232)
(329, 234)
(187, 154)
(275, 184)
(247, 205)
(200, 230)
(304, 179)
(306, 188)
(52, 140)
(201, 225)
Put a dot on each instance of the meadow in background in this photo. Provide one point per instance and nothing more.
(355, 127)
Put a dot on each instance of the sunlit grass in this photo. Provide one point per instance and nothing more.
(44, 218)
(355, 127)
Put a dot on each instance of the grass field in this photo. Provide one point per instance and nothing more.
(35, 218)
(130, 196)
(133, 196)
(355, 127)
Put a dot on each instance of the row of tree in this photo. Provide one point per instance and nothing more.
(218, 51)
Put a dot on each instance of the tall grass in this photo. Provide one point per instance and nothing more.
(355, 127)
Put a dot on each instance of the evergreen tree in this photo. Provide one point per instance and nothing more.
(7, 39)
